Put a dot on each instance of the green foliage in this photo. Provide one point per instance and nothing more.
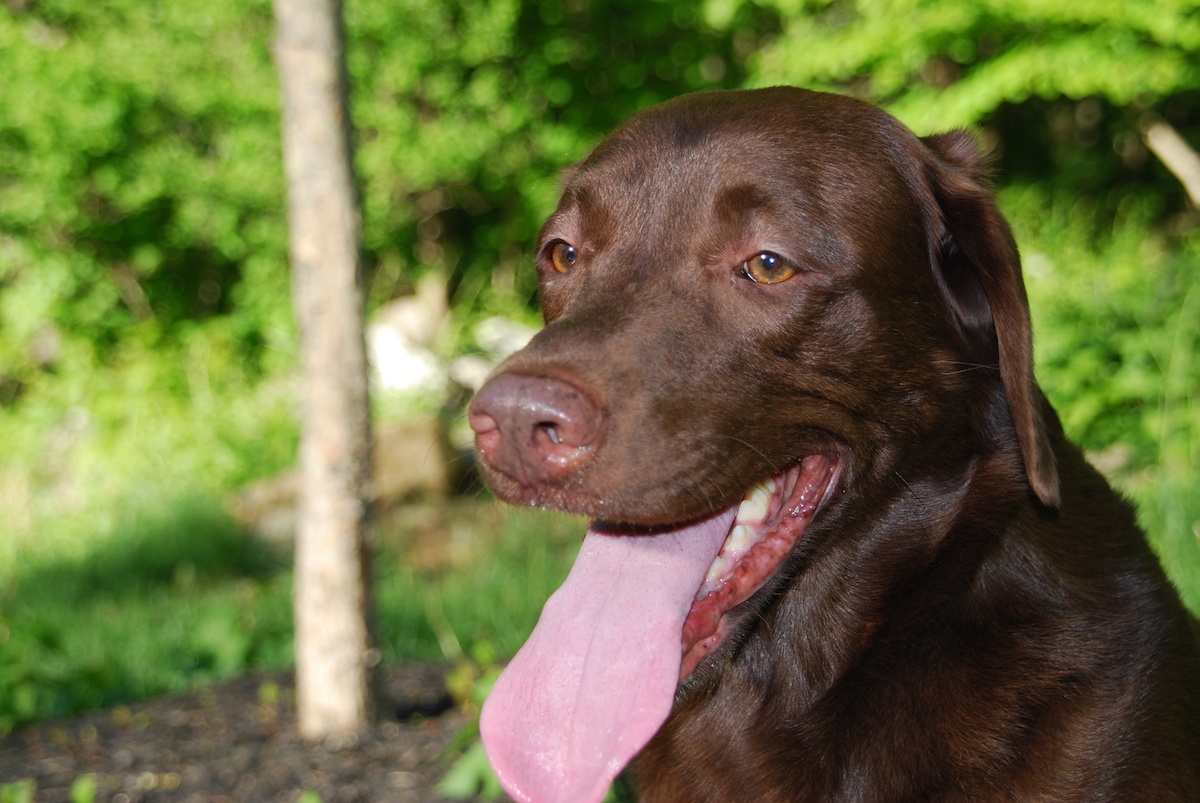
(1116, 316)
(142, 280)
(941, 64)
(140, 180)
(470, 777)
(182, 598)
(136, 199)
(96, 458)
(474, 609)
(176, 601)
(38, 678)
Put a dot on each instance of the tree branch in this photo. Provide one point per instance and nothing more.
(1173, 151)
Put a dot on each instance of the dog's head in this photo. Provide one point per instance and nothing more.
(799, 249)
(772, 286)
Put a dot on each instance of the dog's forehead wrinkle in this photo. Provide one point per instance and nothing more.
(676, 179)
(785, 197)
(563, 223)
(582, 218)
(687, 210)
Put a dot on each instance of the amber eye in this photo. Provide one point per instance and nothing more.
(563, 256)
(768, 268)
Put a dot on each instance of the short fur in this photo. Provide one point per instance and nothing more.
(973, 614)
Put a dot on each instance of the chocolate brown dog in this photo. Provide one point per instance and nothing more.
(841, 550)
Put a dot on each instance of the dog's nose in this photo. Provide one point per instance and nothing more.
(534, 429)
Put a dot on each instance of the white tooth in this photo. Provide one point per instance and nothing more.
(739, 539)
(717, 570)
(756, 502)
(751, 509)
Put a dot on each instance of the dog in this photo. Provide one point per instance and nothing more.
(840, 549)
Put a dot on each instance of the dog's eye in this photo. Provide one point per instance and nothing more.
(563, 256)
(768, 268)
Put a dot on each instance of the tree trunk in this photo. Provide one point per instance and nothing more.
(335, 652)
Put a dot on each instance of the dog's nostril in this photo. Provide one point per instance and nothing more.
(550, 430)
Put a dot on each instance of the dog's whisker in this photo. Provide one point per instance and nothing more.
(967, 367)
(920, 499)
(750, 447)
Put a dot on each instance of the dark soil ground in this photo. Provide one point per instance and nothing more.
(237, 742)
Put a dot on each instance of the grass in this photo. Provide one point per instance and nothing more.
(169, 604)
(489, 598)
(180, 601)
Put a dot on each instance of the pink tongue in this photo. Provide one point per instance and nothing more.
(597, 678)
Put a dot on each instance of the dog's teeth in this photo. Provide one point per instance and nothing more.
(717, 570)
(756, 502)
(750, 514)
(740, 537)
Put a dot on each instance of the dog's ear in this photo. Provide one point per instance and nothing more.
(980, 272)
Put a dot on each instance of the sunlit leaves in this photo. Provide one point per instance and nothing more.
(944, 63)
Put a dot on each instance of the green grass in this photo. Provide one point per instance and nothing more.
(179, 601)
(491, 598)
(169, 604)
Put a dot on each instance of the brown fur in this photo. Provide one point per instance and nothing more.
(973, 614)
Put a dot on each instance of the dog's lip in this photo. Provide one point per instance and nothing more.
(799, 494)
(785, 482)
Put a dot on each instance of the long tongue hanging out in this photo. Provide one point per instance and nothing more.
(597, 678)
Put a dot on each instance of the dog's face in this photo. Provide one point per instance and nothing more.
(768, 313)
(758, 249)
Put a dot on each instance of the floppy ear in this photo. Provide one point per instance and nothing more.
(981, 274)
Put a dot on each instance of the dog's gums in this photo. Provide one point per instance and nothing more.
(769, 522)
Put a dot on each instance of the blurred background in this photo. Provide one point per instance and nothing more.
(148, 367)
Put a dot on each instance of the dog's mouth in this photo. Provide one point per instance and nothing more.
(636, 616)
(768, 524)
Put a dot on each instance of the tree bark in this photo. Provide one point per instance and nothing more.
(335, 651)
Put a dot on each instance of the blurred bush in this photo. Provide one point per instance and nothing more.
(140, 193)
